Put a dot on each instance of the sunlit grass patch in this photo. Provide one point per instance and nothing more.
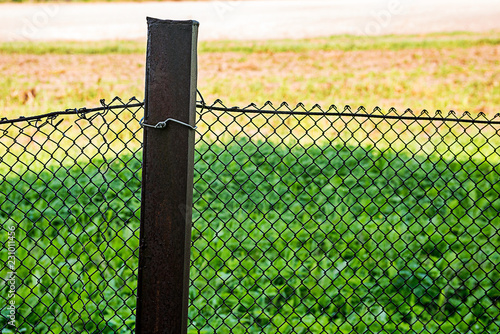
(332, 43)
(457, 71)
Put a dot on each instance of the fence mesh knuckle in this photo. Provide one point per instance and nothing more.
(305, 220)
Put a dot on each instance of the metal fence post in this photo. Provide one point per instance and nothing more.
(167, 177)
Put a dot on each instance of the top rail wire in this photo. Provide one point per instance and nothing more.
(80, 111)
(299, 110)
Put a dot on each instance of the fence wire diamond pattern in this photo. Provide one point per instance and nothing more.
(304, 221)
(70, 198)
(312, 221)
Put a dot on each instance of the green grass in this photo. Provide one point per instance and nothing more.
(69, 47)
(447, 71)
(345, 239)
(76, 273)
(358, 43)
(332, 43)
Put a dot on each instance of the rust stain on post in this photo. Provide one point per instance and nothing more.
(167, 184)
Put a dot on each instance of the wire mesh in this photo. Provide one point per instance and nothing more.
(304, 221)
(69, 207)
(328, 221)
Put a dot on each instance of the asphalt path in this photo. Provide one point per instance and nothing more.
(244, 20)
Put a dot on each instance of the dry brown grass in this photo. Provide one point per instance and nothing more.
(451, 78)
(459, 79)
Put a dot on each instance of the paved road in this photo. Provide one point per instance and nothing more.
(247, 19)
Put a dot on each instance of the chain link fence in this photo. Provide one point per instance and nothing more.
(70, 199)
(328, 221)
(304, 221)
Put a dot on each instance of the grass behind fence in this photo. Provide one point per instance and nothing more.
(459, 71)
(76, 233)
(459, 39)
(276, 246)
(359, 241)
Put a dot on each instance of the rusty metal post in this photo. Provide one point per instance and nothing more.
(167, 177)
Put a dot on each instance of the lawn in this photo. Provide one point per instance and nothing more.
(361, 228)
(458, 71)
(76, 233)
(286, 237)
(343, 240)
